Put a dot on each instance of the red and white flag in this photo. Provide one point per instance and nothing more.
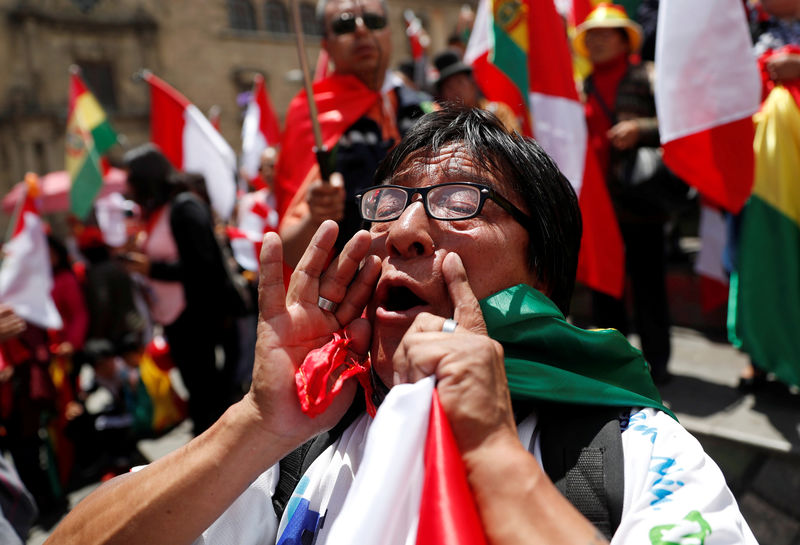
(710, 259)
(192, 144)
(215, 116)
(418, 39)
(411, 487)
(321, 71)
(533, 31)
(26, 277)
(707, 88)
(256, 217)
(259, 129)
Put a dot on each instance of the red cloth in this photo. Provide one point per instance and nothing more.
(448, 514)
(605, 78)
(341, 100)
(68, 297)
(323, 373)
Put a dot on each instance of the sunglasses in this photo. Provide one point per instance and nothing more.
(346, 22)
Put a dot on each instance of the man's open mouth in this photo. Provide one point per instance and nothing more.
(400, 298)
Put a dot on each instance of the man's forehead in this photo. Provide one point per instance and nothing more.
(452, 163)
(357, 6)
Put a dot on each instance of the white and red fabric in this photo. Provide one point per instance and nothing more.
(707, 87)
(413, 482)
(111, 212)
(369, 487)
(192, 144)
(417, 38)
(322, 70)
(257, 216)
(26, 277)
(493, 82)
(215, 116)
(709, 266)
(259, 129)
(559, 125)
(579, 10)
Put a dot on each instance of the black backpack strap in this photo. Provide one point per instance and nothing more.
(582, 454)
(590, 89)
(293, 465)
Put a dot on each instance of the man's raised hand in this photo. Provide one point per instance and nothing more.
(291, 323)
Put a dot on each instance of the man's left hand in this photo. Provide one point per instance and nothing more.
(469, 366)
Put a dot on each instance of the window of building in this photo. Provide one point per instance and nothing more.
(99, 76)
(308, 15)
(40, 157)
(277, 17)
(241, 15)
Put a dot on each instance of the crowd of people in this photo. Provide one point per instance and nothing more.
(496, 215)
(147, 340)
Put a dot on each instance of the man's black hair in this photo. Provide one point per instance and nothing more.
(521, 167)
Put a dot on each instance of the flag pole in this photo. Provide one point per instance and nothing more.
(322, 153)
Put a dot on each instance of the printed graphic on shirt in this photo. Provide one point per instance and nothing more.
(637, 424)
(663, 486)
(302, 525)
(692, 530)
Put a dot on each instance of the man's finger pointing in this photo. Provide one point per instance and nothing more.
(467, 311)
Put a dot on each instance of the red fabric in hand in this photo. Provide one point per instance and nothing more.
(324, 371)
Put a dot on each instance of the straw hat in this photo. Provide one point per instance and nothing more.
(607, 15)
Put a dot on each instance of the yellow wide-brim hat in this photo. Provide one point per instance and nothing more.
(607, 16)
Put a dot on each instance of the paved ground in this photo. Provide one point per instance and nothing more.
(755, 438)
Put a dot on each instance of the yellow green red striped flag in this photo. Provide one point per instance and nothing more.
(89, 136)
(764, 307)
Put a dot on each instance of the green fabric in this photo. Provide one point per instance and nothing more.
(511, 60)
(765, 291)
(548, 359)
(104, 137)
(86, 185)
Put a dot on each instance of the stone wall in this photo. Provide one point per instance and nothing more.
(188, 43)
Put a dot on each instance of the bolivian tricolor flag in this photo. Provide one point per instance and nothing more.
(519, 55)
(764, 309)
(89, 136)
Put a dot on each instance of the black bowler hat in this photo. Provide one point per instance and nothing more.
(449, 64)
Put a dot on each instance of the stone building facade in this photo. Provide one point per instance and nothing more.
(207, 49)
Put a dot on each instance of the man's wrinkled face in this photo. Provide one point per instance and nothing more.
(492, 245)
(364, 52)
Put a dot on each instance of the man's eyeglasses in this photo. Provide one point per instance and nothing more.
(447, 202)
(346, 22)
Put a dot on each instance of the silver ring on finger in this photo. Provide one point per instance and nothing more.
(449, 326)
(327, 304)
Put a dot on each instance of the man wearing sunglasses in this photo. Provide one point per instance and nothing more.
(364, 110)
(465, 274)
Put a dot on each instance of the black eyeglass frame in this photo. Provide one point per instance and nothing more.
(346, 23)
(485, 193)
